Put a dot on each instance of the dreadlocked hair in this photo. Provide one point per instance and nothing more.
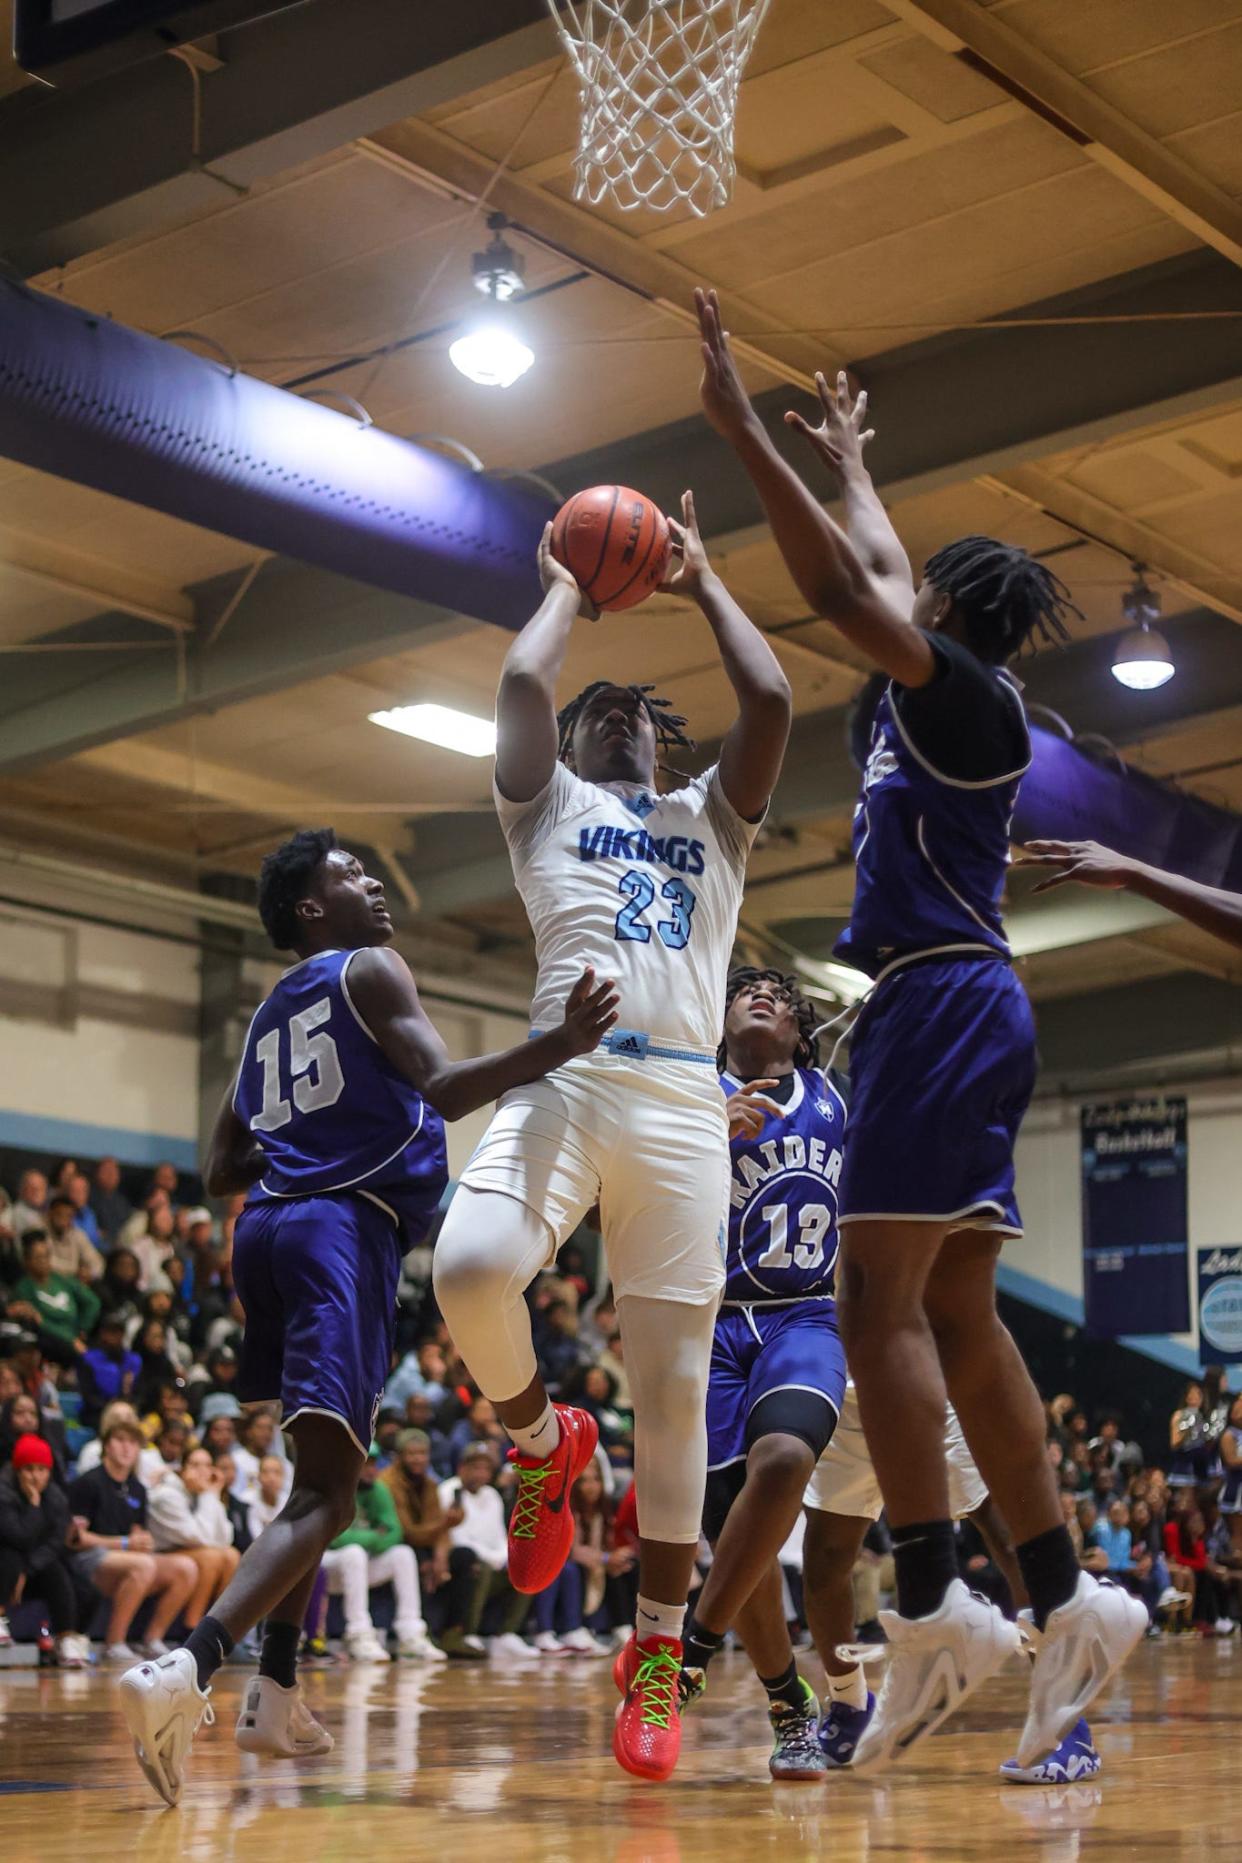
(1002, 594)
(284, 878)
(669, 726)
(747, 975)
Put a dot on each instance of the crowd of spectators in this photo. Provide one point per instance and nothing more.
(132, 1480)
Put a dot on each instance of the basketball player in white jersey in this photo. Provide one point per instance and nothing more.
(647, 885)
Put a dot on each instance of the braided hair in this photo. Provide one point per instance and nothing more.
(743, 978)
(1002, 594)
(669, 726)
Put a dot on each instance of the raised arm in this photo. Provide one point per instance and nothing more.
(1086, 862)
(526, 734)
(752, 752)
(386, 998)
(863, 587)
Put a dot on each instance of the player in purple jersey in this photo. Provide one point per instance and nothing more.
(777, 1374)
(334, 1126)
(942, 1064)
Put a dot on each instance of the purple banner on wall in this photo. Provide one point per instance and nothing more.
(1134, 1222)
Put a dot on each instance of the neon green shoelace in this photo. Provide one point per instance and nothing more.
(529, 1502)
(656, 1681)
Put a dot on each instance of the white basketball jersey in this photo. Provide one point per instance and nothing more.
(644, 887)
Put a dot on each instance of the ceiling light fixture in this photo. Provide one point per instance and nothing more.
(1142, 659)
(491, 351)
(443, 726)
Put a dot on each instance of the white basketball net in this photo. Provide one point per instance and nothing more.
(658, 81)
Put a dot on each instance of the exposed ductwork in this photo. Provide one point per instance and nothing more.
(1067, 796)
(108, 407)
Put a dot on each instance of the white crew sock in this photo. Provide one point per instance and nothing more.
(658, 1620)
(850, 1690)
(539, 1438)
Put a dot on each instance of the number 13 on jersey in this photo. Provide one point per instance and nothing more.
(639, 888)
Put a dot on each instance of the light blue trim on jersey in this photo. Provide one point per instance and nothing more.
(634, 1045)
(71, 1138)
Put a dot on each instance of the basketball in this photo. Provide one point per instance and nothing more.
(614, 542)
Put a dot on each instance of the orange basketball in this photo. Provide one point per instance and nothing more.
(614, 542)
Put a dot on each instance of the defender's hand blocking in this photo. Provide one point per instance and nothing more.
(1084, 861)
(721, 390)
(840, 437)
(749, 1110)
(553, 575)
(589, 1013)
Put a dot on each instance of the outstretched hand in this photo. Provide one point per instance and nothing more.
(688, 564)
(1084, 861)
(749, 1109)
(553, 574)
(725, 400)
(841, 435)
(590, 1011)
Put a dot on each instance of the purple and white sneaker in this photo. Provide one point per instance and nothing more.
(842, 1728)
(1075, 1759)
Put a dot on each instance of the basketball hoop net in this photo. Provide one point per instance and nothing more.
(658, 81)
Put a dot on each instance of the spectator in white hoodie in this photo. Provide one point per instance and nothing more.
(186, 1514)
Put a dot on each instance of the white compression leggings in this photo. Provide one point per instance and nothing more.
(489, 1251)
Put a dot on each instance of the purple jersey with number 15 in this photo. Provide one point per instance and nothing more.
(330, 1111)
(783, 1198)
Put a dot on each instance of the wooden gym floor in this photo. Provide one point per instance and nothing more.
(497, 1765)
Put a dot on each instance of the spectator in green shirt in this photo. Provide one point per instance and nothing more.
(64, 1310)
(371, 1552)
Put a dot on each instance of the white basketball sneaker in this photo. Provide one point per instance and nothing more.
(365, 1646)
(276, 1722)
(1083, 1643)
(164, 1708)
(934, 1664)
(420, 1648)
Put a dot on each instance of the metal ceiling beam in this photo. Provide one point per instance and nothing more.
(292, 87)
(1203, 581)
(1103, 133)
(88, 579)
(295, 624)
(947, 409)
(964, 405)
(430, 158)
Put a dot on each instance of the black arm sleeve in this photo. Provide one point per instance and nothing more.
(966, 722)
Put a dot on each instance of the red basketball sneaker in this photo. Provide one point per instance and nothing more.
(647, 1736)
(541, 1530)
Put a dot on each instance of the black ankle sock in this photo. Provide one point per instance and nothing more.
(699, 1645)
(279, 1655)
(787, 1688)
(925, 1555)
(1049, 1569)
(209, 1643)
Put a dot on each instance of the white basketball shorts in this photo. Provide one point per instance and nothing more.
(648, 1141)
(843, 1480)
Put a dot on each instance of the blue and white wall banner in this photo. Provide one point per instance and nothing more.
(1135, 1229)
(1220, 1305)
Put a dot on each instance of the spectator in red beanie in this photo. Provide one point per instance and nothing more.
(34, 1556)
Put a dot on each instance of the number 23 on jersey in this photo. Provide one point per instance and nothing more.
(640, 889)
